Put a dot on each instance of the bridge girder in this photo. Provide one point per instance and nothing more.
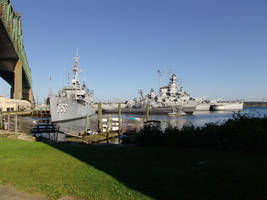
(13, 62)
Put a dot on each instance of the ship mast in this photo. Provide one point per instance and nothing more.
(75, 68)
(160, 75)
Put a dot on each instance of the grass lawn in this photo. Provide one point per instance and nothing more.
(114, 172)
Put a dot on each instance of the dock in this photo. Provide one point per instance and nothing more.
(42, 112)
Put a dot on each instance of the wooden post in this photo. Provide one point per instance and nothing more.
(119, 117)
(91, 124)
(86, 125)
(147, 112)
(1, 122)
(19, 125)
(108, 128)
(16, 123)
(100, 120)
(8, 120)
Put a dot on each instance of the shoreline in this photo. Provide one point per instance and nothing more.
(255, 104)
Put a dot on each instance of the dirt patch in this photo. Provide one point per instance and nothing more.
(10, 193)
(17, 135)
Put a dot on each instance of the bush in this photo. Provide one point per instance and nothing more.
(150, 135)
(242, 132)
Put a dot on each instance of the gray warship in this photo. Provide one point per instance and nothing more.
(73, 101)
(170, 97)
(173, 97)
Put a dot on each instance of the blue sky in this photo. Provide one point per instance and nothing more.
(218, 48)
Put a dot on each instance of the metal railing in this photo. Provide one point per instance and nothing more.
(70, 130)
(10, 123)
(15, 123)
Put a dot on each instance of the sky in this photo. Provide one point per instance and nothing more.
(218, 48)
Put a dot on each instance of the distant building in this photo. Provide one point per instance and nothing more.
(14, 105)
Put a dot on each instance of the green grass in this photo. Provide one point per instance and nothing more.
(113, 172)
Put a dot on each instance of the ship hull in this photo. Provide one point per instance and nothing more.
(233, 105)
(217, 107)
(227, 106)
(188, 109)
(203, 107)
(63, 109)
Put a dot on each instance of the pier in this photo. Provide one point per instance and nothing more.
(42, 113)
(99, 129)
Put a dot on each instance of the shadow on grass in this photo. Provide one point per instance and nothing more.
(145, 170)
(171, 173)
(168, 172)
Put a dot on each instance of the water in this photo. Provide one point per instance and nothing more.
(197, 119)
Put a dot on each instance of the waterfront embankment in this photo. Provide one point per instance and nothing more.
(255, 104)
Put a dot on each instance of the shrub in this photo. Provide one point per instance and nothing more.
(242, 132)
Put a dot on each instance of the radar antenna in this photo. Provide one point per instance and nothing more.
(50, 89)
(180, 83)
(141, 92)
(160, 72)
(170, 72)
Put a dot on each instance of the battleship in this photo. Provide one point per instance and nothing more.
(170, 97)
(74, 101)
(174, 96)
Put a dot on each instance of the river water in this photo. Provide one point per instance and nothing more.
(197, 119)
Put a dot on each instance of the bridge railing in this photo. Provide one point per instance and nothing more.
(12, 23)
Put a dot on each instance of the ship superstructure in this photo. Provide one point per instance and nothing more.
(171, 95)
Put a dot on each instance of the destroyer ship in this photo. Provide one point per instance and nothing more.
(74, 101)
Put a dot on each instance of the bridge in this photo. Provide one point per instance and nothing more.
(14, 68)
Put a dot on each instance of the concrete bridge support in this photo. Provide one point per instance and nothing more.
(28, 95)
(17, 90)
(18, 81)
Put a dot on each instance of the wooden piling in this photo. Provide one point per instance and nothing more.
(16, 123)
(147, 112)
(119, 117)
(100, 120)
(86, 124)
(108, 127)
(8, 120)
(1, 122)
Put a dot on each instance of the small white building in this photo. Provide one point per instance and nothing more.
(7, 105)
